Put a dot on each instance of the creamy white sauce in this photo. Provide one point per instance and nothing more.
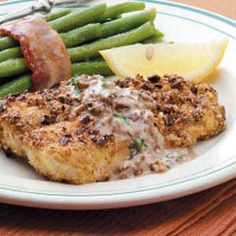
(129, 115)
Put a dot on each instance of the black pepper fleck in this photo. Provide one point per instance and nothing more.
(82, 129)
(48, 120)
(15, 119)
(100, 140)
(8, 152)
(169, 120)
(176, 83)
(2, 107)
(65, 139)
(154, 79)
(85, 119)
(194, 90)
(146, 86)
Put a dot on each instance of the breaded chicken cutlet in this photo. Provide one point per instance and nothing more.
(96, 129)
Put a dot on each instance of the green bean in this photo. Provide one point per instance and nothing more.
(127, 23)
(13, 67)
(159, 34)
(18, 66)
(93, 31)
(91, 68)
(92, 50)
(84, 34)
(57, 14)
(75, 5)
(24, 82)
(7, 42)
(71, 38)
(10, 53)
(118, 9)
(79, 18)
(156, 38)
(70, 20)
(16, 86)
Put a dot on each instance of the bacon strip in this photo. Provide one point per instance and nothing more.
(43, 49)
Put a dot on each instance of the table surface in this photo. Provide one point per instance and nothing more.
(210, 213)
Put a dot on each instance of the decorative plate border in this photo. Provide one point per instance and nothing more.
(196, 176)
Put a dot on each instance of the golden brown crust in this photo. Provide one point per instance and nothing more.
(64, 146)
(77, 161)
(38, 126)
(186, 112)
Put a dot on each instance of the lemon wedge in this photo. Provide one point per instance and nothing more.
(193, 61)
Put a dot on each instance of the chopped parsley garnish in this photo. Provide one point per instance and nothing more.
(74, 80)
(105, 85)
(76, 90)
(137, 146)
(122, 117)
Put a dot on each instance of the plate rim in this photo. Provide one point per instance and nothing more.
(216, 179)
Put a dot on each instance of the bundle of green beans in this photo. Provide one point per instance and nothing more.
(84, 32)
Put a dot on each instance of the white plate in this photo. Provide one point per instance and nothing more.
(216, 158)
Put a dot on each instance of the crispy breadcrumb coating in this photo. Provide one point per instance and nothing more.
(58, 132)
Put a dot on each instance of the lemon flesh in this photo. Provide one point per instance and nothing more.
(193, 61)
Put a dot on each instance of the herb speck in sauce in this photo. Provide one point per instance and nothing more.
(122, 117)
(105, 85)
(125, 115)
(138, 146)
(76, 90)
